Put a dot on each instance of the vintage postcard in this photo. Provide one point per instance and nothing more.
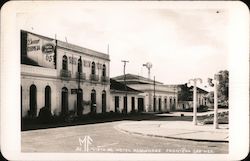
(124, 80)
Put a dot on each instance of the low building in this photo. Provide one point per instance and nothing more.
(185, 100)
(157, 96)
(62, 77)
(125, 99)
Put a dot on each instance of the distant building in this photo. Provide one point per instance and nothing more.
(125, 99)
(62, 76)
(185, 99)
(157, 97)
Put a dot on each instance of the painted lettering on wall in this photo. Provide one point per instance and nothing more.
(41, 50)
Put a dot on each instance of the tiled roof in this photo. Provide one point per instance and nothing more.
(135, 79)
(114, 85)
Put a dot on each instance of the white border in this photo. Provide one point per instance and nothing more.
(239, 83)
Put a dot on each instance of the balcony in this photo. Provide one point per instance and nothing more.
(105, 79)
(94, 77)
(81, 75)
(65, 74)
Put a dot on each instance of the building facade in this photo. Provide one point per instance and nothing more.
(63, 77)
(156, 96)
(125, 99)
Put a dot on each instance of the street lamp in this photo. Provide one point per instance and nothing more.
(195, 81)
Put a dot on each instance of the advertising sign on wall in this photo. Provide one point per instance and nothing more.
(41, 50)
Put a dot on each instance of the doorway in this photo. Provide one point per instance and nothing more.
(140, 104)
(48, 97)
(116, 103)
(33, 101)
(79, 102)
(64, 102)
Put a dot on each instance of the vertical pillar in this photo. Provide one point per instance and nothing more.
(215, 104)
(195, 104)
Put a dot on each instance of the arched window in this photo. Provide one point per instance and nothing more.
(104, 70)
(33, 101)
(64, 101)
(93, 68)
(80, 65)
(65, 62)
(103, 101)
(93, 101)
(48, 97)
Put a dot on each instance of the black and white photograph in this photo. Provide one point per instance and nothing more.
(126, 78)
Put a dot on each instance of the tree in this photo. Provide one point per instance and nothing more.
(223, 86)
(185, 94)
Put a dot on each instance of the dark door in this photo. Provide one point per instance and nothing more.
(21, 99)
(154, 104)
(48, 97)
(159, 104)
(103, 101)
(64, 101)
(165, 104)
(116, 103)
(133, 103)
(93, 101)
(33, 101)
(79, 102)
(125, 104)
(140, 104)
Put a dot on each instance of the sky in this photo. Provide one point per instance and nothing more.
(181, 43)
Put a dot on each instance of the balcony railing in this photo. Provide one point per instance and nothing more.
(104, 79)
(94, 77)
(81, 75)
(65, 74)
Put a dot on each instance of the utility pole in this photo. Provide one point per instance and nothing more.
(154, 101)
(124, 72)
(195, 80)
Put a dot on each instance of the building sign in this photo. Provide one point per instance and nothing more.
(41, 50)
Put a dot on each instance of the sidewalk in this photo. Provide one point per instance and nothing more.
(191, 113)
(184, 130)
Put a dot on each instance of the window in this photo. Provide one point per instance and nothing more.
(65, 63)
(80, 65)
(104, 70)
(93, 68)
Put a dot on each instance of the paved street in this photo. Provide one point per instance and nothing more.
(106, 138)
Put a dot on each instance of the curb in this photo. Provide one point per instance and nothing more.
(170, 137)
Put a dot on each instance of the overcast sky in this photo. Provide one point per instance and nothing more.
(180, 43)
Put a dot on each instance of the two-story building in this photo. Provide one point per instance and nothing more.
(62, 76)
